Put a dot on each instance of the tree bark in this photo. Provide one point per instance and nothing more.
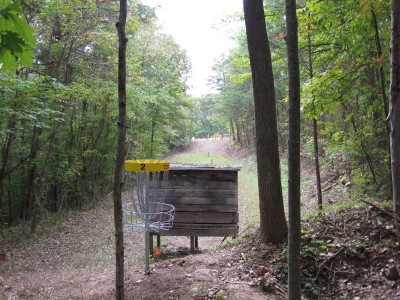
(6, 153)
(273, 225)
(153, 132)
(30, 178)
(394, 110)
(238, 133)
(232, 133)
(294, 263)
(121, 153)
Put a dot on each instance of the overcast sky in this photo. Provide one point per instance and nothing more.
(196, 26)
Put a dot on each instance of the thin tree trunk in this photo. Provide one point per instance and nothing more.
(238, 133)
(381, 69)
(394, 114)
(316, 163)
(153, 132)
(273, 225)
(232, 133)
(29, 181)
(382, 81)
(315, 130)
(121, 152)
(6, 155)
(294, 263)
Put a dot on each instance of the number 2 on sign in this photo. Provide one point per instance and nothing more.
(143, 167)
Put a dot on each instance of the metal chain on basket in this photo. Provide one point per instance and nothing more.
(146, 192)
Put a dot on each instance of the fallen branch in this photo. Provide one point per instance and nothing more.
(281, 291)
(239, 282)
(385, 212)
(323, 263)
(325, 189)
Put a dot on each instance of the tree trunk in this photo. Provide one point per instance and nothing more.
(294, 263)
(273, 225)
(121, 152)
(315, 131)
(30, 178)
(153, 132)
(382, 81)
(381, 70)
(232, 133)
(394, 110)
(6, 155)
(238, 134)
(316, 164)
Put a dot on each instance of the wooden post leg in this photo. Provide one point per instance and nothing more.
(192, 238)
(196, 242)
(158, 241)
(151, 243)
(147, 242)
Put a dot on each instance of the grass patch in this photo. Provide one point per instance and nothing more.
(335, 207)
(203, 159)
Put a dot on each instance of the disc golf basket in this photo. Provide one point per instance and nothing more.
(146, 181)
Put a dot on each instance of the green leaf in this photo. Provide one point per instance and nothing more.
(16, 37)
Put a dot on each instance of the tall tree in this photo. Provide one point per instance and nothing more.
(293, 150)
(394, 113)
(121, 152)
(272, 215)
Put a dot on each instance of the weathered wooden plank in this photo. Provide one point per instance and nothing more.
(201, 174)
(200, 201)
(204, 167)
(213, 175)
(206, 208)
(203, 226)
(211, 231)
(220, 176)
(197, 232)
(182, 192)
(206, 185)
(199, 217)
(203, 217)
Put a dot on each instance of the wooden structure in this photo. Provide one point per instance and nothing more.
(205, 200)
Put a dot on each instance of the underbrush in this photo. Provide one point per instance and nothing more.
(351, 253)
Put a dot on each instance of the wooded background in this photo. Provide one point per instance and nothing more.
(58, 115)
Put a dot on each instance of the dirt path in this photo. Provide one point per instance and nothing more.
(73, 258)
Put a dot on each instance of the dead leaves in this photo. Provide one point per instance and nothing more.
(362, 260)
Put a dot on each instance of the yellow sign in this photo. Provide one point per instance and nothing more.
(146, 165)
